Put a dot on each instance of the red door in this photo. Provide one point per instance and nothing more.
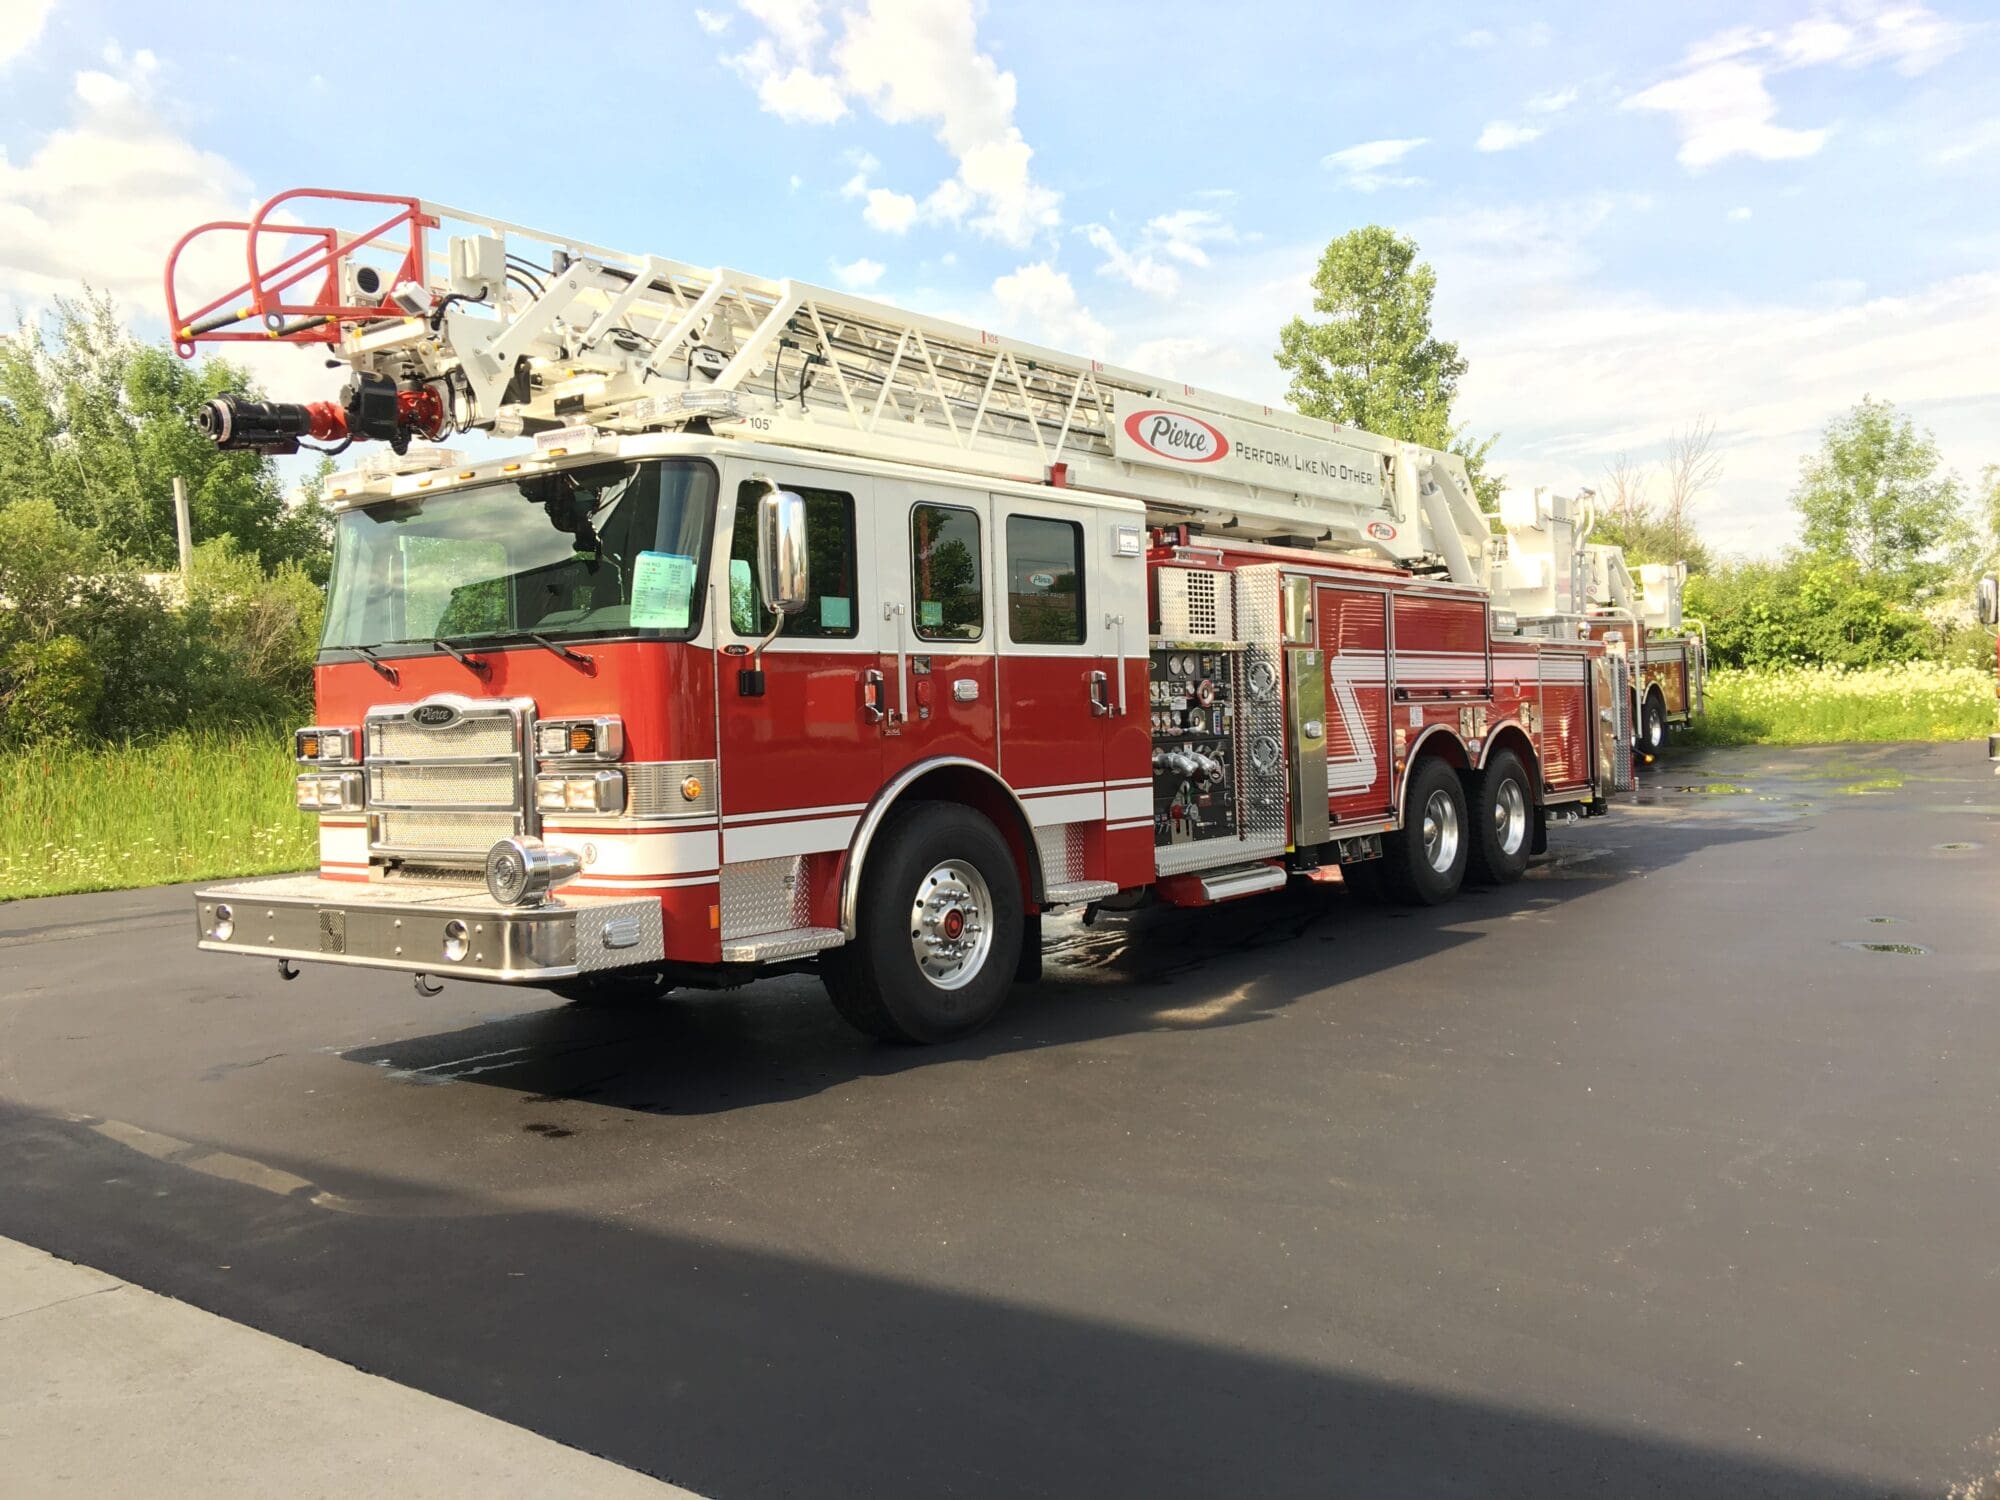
(1354, 635)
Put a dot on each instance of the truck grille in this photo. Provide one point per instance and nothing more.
(444, 793)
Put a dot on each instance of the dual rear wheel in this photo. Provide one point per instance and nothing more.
(1458, 827)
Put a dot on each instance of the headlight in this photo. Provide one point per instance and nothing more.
(523, 870)
(580, 739)
(329, 791)
(325, 747)
(580, 791)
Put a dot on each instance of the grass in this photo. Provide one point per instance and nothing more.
(1831, 705)
(190, 807)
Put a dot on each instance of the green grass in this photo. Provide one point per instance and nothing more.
(1829, 705)
(190, 807)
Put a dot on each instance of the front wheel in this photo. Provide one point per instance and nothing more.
(1653, 726)
(1423, 862)
(1503, 821)
(938, 937)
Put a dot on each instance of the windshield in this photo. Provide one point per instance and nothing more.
(605, 549)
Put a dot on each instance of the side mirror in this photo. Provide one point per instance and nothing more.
(1989, 600)
(782, 569)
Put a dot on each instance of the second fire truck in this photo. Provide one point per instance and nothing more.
(805, 630)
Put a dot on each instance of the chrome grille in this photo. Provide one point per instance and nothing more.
(444, 795)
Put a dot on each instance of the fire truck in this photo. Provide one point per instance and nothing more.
(1553, 571)
(1986, 605)
(802, 631)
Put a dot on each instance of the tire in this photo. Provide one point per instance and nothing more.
(1501, 805)
(614, 991)
(1423, 863)
(938, 940)
(1653, 725)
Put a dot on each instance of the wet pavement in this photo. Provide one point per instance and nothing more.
(1670, 1169)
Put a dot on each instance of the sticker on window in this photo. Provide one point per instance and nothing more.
(835, 613)
(930, 612)
(662, 591)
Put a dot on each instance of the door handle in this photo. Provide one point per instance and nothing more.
(871, 695)
(1100, 703)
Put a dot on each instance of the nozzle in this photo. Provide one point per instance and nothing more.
(234, 424)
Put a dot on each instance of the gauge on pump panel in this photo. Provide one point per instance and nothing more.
(1189, 666)
(1205, 693)
(1173, 666)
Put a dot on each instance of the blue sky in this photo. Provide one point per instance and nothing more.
(1638, 215)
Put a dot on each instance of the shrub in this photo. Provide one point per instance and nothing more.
(53, 690)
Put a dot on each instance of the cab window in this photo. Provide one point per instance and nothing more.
(946, 598)
(832, 608)
(1044, 581)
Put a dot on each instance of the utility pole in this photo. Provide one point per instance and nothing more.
(183, 529)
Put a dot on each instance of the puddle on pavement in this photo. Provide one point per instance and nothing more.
(1886, 921)
(1957, 846)
(1711, 788)
(1871, 785)
(1909, 950)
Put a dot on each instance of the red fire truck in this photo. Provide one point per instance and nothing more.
(805, 630)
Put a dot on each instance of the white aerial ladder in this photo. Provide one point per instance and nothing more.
(519, 332)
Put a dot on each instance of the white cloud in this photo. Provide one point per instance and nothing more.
(1478, 39)
(1504, 135)
(1977, 140)
(858, 275)
(1722, 106)
(912, 62)
(1724, 110)
(1362, 165)
(1039, 303)
(1139, 268)
(1184, 233)
(1555, 101)
(710, 22)
(21, 23)
(1738, 214)
(890, 212)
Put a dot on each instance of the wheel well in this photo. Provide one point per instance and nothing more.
(970, 785)
(1435, 743)
(1513, 737)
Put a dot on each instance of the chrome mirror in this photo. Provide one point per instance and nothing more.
(783, 572)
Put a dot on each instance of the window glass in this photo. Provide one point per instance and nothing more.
(945, 593)
(831, 608)
(596, 550)
(1044, 581)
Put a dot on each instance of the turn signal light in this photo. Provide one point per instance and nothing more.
(592, 739)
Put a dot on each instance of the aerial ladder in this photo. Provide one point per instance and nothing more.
(453, 322)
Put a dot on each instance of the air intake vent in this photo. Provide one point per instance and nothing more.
(1196, 605)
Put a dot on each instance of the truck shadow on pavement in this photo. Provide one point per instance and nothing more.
(746, 1373)
(1155, 970)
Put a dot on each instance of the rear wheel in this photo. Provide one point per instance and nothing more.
(938, 938)
(1653, 725)
(1423, 862)
(1503, 821)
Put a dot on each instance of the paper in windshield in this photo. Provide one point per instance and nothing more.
(662, 591)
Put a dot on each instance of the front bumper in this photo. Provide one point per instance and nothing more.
(386, 925)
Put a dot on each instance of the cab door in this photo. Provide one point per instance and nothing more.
(939, 686)
(1069, 619)
(801, 760)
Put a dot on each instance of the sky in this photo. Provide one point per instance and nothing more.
(1638, 216)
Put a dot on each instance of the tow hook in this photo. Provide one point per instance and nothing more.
(428, 987)
(287, 969)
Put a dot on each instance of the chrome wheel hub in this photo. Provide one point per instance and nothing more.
(1510, 817)
(951, 924)
(1440, 831)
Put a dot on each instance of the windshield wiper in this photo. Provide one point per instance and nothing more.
(477, 664)
(575, 658)
(367, 653)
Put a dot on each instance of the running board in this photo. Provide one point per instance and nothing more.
(1208, 887)
(766, 947)
(1068, 892)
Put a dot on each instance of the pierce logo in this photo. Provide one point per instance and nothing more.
(1170, 434)
(434, 715)
(1382, 531)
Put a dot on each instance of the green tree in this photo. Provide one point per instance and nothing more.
(1874, 492)
(1370, 357)
(100, 425)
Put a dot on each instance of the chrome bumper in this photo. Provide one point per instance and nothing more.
(387, 926)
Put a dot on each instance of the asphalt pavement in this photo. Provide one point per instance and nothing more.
(1669, 1170)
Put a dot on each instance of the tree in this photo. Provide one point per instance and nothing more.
(1628, 517)
(1371, 358)
(1692, 468)
(1874, 493)
(1989, 509)
(100, 425)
